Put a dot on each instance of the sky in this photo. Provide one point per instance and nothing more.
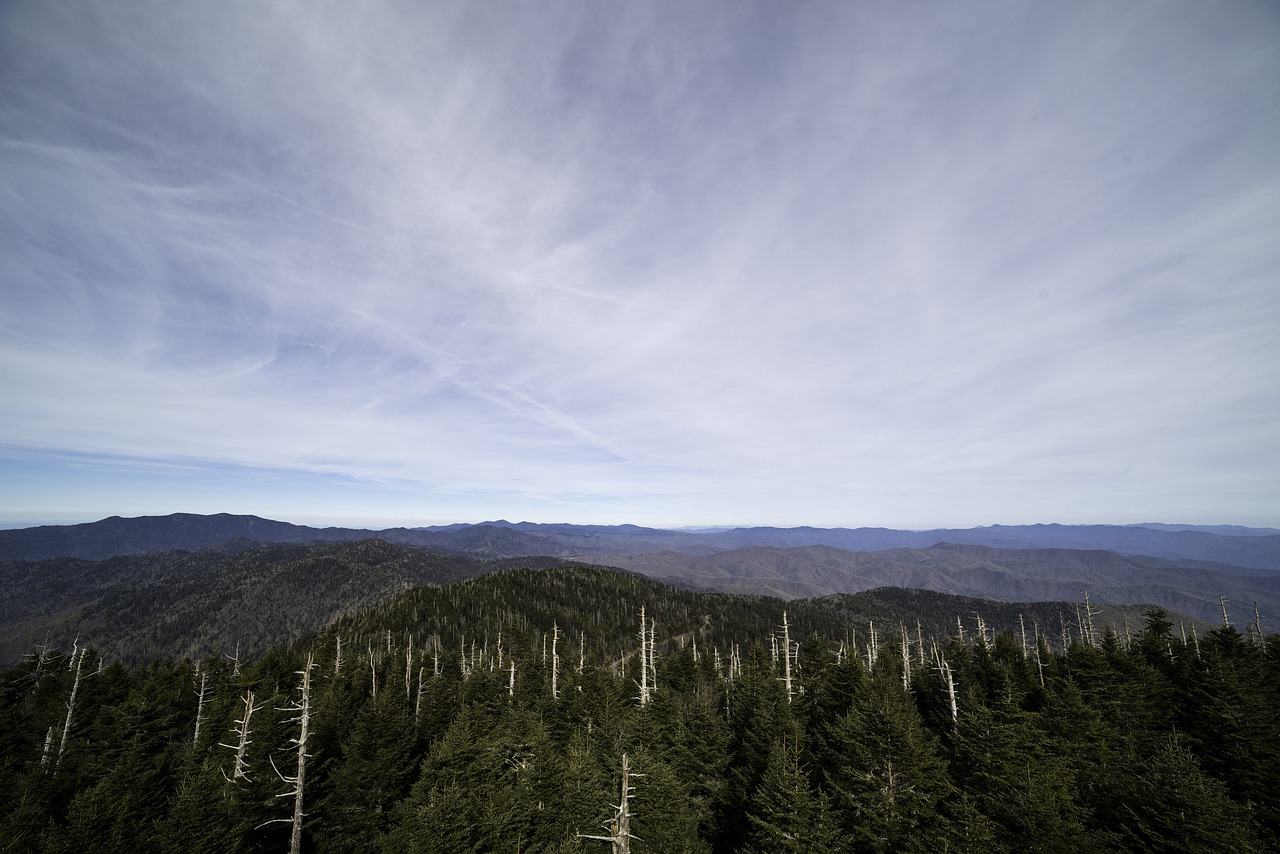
(911, 264)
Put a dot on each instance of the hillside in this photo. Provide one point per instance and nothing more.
(173, 604)
(1007, 574)
(1242, 547)
(498, 713)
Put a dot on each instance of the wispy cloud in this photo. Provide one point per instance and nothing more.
(731, 262)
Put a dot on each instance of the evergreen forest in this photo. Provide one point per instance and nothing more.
(578, 709)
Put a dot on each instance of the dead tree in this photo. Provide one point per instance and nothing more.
(981, 629)
(244, 729)
(417, 706)
(786, 666)
(644, 659)
(1222, 600)
(1089, 613)
(200, 695)
(619, 826)
(555, 661)
(906, 659)
(949, 682)
(653, 658)
(48, 743)
(873, 645)
(298, 780)
(71, 705)
(1257, 628)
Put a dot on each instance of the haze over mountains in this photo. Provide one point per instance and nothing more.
(1251, 548)
(108, 563)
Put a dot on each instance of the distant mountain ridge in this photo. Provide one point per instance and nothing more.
(1250, 548)
(1011, 575)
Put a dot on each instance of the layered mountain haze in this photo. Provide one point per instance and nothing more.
(1242, 547)
(188, 580)
(1018, 575)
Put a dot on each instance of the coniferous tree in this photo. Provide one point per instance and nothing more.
(787, 815)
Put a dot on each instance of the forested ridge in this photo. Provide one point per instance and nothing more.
(496, 714)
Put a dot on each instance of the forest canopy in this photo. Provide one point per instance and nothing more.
(498, 713)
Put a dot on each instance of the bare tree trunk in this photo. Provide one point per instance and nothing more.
(71, 707)
(620, 826)
(1089, 613)
(303, 708)
(906, 659)
(204, 677)
(950, 683)
(48, 743)
(1257, 627)
(243, 727)
(417, 706)
(555, 661)
(653, 657)
(873, 645)
(644, 659)
(786, 658)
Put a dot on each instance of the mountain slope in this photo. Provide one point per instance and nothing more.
(1006, 574)
(1244, 547)
(136, 607)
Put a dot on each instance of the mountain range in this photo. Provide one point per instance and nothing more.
(226, 575)
(1249, 548)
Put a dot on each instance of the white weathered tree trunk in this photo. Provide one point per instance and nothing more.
(555, 661)
(204, 677)
(906, 660)
(71, 706)
(653, 658)
(873, 645)
(619, 827)
(303, 708)
(644, 659)
(1257, 628)
(948, 681)
(786, 644)
(417, 706)
(243, 727)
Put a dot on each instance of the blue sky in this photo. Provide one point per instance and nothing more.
(851, 263)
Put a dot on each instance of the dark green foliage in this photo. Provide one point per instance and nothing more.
(1126, 746)
(787, 815)
(1164, 802)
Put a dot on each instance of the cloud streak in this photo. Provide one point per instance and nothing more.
(834, 264)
